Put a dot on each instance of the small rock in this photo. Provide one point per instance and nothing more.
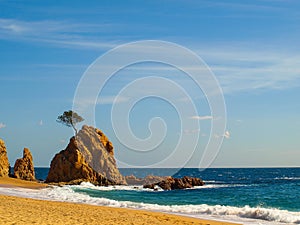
(171, 183)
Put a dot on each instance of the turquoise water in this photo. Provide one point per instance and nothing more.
(239, 192)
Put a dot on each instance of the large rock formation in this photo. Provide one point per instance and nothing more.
(88, 157)
(4, 163)
(23, 168)
(171, 183)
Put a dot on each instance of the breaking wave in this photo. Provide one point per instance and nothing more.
(67, 194)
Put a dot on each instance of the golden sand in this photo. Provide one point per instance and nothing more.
(13, 182)
(16, 210)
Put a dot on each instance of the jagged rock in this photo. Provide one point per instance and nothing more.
(88, 157)
(150, 179)
(105, 142)
(4, 163)
(171, 183)
(69, 165)
(133, 180)
(23, 168)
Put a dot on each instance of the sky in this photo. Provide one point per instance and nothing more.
(251, 47)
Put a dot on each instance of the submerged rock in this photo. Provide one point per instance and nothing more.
(4, 163)
(88, 157)
(171, 183)
(23, 168)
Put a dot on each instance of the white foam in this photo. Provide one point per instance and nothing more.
(287, 178)
(211, 181)
(88, 185)
(218, 186)
(246, 214)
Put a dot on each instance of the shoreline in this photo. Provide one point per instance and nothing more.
(10, 182)
(24, 210)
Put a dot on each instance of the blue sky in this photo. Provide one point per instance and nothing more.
(252, 47)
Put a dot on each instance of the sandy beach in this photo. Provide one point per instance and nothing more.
(16, 210)
(12, 182)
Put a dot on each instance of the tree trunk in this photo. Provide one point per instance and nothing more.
(76, 132)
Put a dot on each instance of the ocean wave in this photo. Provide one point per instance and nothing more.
(287, 178)
(211, 181)
(67, 194)
(218, 186)
(88, 185)
(274, 215)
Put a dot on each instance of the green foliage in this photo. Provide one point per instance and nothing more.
(70, 119)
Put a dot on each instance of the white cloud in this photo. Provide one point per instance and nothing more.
(62, 33)
(13, 28)
(227, 134)
(238, 69)
(244, 69)
(201, 117)
(2, 125)
(255, 67)
(41, 123)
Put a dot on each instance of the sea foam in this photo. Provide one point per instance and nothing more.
(246, 214)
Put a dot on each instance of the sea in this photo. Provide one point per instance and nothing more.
(243, 195)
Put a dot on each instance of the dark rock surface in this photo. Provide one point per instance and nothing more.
(171, 183)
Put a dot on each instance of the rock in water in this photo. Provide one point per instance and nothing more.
(88, 157)
(171, 183)
(23, 168)
(148, 180)
(4, 163)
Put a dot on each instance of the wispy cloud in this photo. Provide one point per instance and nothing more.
(2, 125)
(62, 33)
(237, 68)
(248, 7)
(41, 123)
(201, 117)
(247, 69)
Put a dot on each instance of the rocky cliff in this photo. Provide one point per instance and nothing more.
(88, 157)
(4, 163)
(23, 168)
